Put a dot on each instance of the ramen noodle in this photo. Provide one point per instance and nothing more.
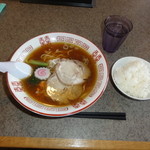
(71, 77)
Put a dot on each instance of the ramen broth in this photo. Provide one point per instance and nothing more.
(45, 53)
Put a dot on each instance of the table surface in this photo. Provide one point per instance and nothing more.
(22, 21)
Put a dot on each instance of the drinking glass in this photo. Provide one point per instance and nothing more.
(116, 30)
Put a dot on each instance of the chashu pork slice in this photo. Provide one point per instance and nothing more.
(60, 92)
(72, 72)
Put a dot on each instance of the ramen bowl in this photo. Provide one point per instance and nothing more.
(27, 101)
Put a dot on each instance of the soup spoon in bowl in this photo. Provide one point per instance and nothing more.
(19, 70)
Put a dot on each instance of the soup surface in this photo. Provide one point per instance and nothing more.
(38, 89)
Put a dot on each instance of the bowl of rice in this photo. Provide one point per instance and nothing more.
(131, 75)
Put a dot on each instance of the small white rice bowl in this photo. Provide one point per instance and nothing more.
(132, 77)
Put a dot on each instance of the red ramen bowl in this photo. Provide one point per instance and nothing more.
(27, 101)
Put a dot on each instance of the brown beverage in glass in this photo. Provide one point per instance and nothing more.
(115, 32)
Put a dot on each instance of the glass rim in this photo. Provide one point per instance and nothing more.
(121, 18)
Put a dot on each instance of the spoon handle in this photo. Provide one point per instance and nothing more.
(6, 66)
(17, 69)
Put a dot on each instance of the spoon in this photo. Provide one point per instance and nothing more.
(19, 70)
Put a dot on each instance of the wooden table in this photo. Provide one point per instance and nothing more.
(49, 143)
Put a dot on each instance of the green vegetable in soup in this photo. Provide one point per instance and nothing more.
(33, 80)
(36, 62)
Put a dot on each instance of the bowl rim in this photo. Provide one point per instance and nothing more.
(69, 113)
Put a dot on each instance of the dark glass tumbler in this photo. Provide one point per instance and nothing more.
(115, 32)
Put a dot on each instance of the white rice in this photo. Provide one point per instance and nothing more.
(134, 79)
